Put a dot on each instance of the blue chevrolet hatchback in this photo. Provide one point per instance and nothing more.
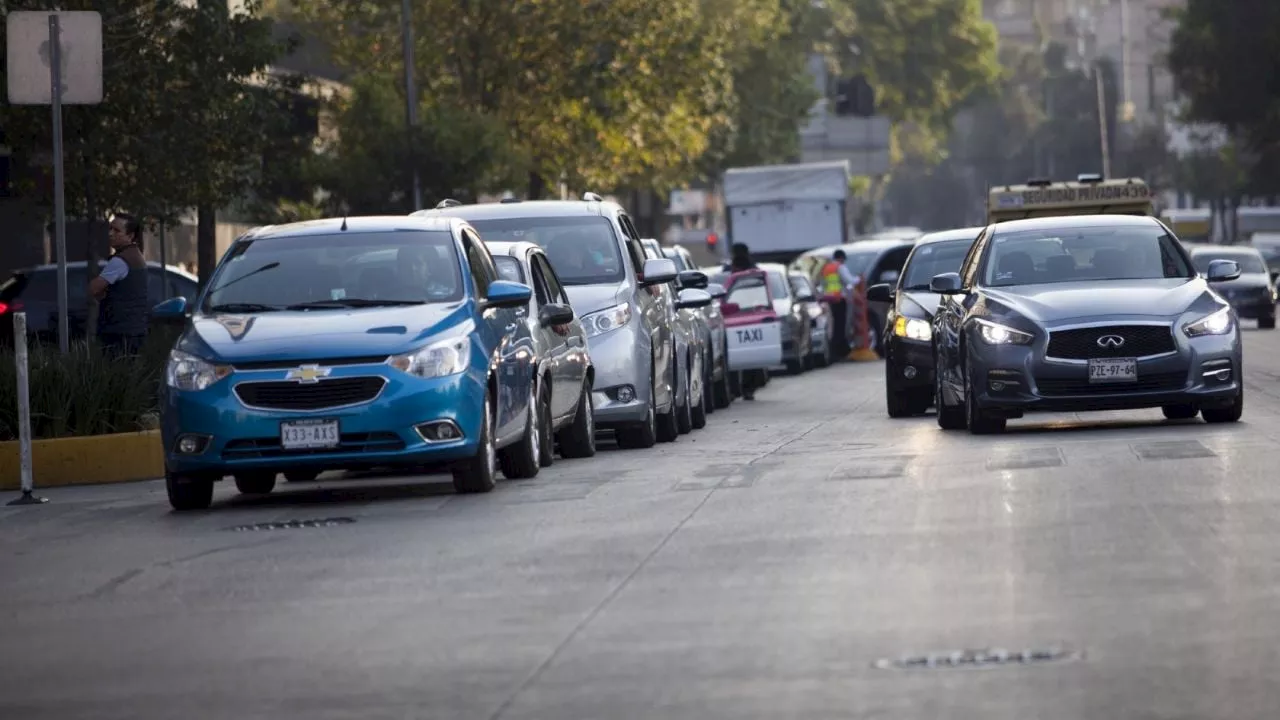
(351, 343)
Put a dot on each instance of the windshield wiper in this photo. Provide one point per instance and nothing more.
(350, 303)
(242, 307)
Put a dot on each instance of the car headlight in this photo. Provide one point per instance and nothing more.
(1216, 323)
(603, 321)
(439, 359)
(185, 371)
(997, 334)
(912, 328)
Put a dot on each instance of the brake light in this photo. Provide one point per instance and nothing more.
(4, 308)
(15, 306)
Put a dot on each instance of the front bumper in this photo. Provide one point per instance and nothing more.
(910, 361)
(377, 432)
(621, 360)
(1204, 371)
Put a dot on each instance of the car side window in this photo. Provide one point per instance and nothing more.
(483, 272)
(539, 282)
(555, 291)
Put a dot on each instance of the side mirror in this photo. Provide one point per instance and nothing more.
(882, 292)
(691, 298)
(889, 277)
(717, 290)
(555, 314)
(507, 294)
(1221, 270)
(693, 279)
(945, 284)
(172, 309)
(657, 271)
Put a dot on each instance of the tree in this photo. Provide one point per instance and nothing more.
(1225, 57)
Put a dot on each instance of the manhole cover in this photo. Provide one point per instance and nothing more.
(1172, 450)
(989, 658)
(294, 524)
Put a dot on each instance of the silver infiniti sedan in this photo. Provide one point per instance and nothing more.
(1092, 312)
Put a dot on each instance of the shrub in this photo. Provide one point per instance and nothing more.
(84, 392)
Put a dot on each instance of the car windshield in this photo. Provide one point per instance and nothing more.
(582, 250)
(860, 263)
(749, 293)
(341, 270)
(509, 268)
(932, 259)
(1122, 252)
(1248, 262)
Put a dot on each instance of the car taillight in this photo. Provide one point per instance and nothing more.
(7, 307)
(4, 308)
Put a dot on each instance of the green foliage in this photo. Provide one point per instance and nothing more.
(83, 392)
(178, 125)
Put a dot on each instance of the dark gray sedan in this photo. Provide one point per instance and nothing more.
(1251, 294)
(560, 351)
(1091, 312)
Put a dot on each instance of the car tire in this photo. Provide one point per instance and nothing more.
(708, 388)
(256, 483)
(1228, 414)
(722, 390)
(479, 474)
(795, 367)
(949, 418)
(546, 439)
(903, 402)
(644, 434)
(684, 413)
(188, 492)
(979, 422)
(1180, 412)
(578, 439)
(1267, 323)
(698, 412)
(301, 476)
(520, 461)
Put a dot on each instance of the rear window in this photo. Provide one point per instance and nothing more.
(582, 250)
(749, 293)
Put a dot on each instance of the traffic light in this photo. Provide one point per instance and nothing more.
(855, 97)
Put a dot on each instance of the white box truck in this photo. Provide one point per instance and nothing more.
(780, 211)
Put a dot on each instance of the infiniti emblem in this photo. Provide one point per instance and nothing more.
(1110, 341)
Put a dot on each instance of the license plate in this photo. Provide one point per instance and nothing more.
(1113, 370)
(309, 434)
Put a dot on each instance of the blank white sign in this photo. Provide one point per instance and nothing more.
(29, 70)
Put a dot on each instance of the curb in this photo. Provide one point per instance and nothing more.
(91, 460)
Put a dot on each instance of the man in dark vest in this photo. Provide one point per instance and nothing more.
(121, 289)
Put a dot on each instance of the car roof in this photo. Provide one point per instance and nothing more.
(514, 249)
(332, 226)
(945, 235)
(1068, 222)
(522, 209)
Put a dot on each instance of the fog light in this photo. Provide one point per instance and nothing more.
(192, 444)
(626, 394)
(439, 431)
(909, 372)
(997, 386)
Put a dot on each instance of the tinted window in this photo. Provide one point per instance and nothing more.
(749, 293)
(555, 290)
(933, 259)
(394, 267)
(1249, 262)
(1129, 252)
(583, 250)
(178, 286)
(479, 263)
(509, 268)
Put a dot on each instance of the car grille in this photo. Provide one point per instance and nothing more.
(1139, 341)
(331, 393)
(1155, 382)
(323, 362)
(249, 448)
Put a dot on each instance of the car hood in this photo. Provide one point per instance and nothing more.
(320, 334)
(590, 298)
(919, 303)
(1053, 302)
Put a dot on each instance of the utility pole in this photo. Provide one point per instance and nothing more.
(411, 97)
(1102, 121)
(1125, 98)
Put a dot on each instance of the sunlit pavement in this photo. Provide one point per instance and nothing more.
(756, 569)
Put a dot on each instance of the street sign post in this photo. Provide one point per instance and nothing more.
(65, 68)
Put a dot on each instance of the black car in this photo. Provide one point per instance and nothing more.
(1079, 313)
(1251, 294)
(908, 350)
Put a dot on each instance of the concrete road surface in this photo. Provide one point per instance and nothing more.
(759, 568)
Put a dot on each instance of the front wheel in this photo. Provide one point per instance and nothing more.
(1267, 323)
(578, 440)
(644, 434)
(520, 461)
(478, 475)
(1228, 414)
(188, 492)
(256, 483)
(949, 418)
(721, 389)
(979, 422)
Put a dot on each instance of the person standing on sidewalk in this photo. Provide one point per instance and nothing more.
(121, 289)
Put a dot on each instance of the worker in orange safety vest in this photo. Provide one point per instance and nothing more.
(838, 284)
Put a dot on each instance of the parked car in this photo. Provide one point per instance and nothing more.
(718, 368)
(35, 292)
(1252, 294)
(821, 351)
(596, 252)
(562, 364)
(691, 350)
(754, 332)
(794, 316)
(305, 355)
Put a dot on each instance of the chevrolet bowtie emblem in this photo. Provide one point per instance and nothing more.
(308, 374)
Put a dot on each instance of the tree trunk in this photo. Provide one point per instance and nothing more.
(206, 243)
(537, 186)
